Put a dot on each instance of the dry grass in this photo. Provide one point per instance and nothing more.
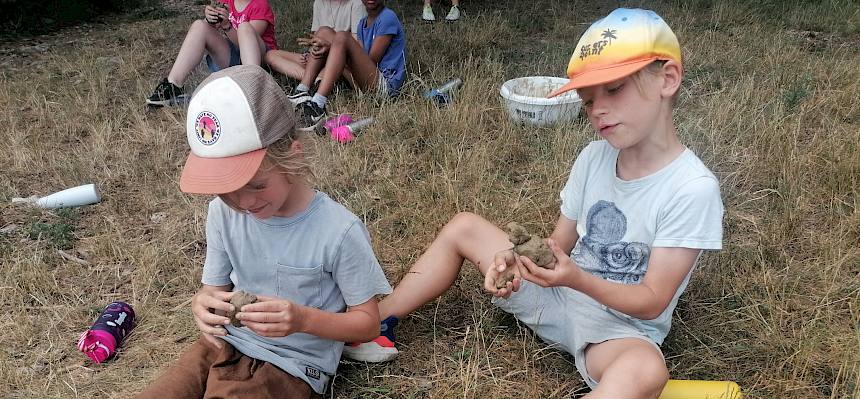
(769, 103)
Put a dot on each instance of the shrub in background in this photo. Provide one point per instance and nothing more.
(30, 17)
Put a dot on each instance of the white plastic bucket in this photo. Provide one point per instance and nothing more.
(526, 102)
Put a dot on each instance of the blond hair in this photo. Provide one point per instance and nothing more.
(652, 70)
(294, 163)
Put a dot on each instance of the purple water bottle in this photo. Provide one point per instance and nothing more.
(104, 336)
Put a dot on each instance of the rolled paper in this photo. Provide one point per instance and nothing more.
(114, 323)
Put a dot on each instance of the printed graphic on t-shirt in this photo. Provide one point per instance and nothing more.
(237, 19)
(601, 252)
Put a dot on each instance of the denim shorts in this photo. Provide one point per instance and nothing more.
(235, 59)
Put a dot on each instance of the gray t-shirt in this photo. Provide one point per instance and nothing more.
(619, 221)
(320, 257)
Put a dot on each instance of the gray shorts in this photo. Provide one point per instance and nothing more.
(570, 320)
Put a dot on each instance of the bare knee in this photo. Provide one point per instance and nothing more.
(654, 374)
(340, 39)
(461, 225)
(271, 57)
(645, 370)
(200, 25)
(325, 31)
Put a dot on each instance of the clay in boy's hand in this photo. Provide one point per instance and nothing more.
(530, 245)
(240, 299)
(505, 277)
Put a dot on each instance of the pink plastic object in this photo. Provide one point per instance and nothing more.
(340, 120)
(101, 340)
(346, 133)
(342, 134)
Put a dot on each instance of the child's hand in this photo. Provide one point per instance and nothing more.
(216, 15)
(564, 273)
(505, 263)
(206, 305)
(273, 317)
(319, 47)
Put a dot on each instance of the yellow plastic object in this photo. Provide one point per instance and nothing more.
(689, 389)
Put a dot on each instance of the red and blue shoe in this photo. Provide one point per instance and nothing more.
(379, 350)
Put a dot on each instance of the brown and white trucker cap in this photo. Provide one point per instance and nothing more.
(232, 117)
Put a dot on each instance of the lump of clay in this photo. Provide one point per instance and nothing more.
(240, 299)
(530, 245)
(506, 276)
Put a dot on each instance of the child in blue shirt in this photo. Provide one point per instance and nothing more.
(636, 212)
(377, 61)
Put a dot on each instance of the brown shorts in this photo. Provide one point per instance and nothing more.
(204, 371)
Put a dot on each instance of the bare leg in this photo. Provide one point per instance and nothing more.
(344, 49)
(315, 65)
(201, 38)
(455, 3)
(287, 63)
(251, 45)
(466, 236)
(626, 368)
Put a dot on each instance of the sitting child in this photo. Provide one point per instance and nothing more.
(339, 15)
(232, 32)
(306, 258)
(637, 211)
(377, 61)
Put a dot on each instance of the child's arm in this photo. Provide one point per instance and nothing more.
(565, 234)
(667, 268)
(379, 47)
(275, 317)
(206, 304)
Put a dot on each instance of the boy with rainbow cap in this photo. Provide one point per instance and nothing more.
(636, 212)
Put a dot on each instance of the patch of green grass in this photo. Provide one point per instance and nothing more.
(795, 95)
(58, 234)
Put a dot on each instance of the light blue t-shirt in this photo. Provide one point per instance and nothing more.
(320, 257)
(620, 221)
(392, 66)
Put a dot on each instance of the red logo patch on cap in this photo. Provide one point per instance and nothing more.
(207, 127)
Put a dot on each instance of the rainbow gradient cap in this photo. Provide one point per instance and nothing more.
(618, 45)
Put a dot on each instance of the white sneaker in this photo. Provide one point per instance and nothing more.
(428, 13)
(453, 15)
